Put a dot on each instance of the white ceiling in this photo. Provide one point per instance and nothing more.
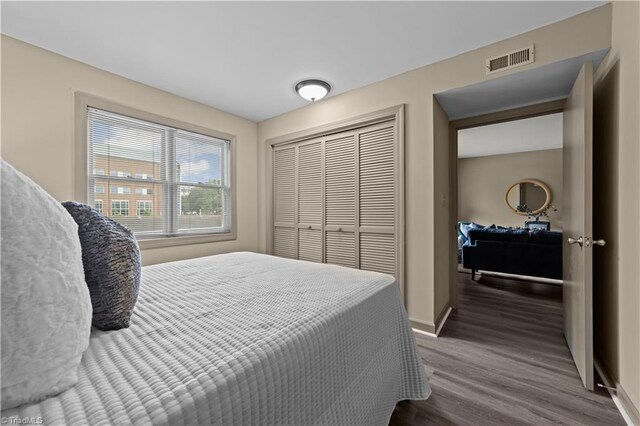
(531, 134)
(245, 57)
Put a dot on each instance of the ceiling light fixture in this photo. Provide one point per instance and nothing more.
(313, 90)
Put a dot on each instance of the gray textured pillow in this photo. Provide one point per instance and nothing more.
(111, 260)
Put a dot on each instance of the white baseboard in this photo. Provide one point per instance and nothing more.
(439, 326)
(443, 320)
(619, 396)
(424, 333)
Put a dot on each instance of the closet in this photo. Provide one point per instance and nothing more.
(336, 199)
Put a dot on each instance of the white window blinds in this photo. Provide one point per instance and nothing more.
(157, 180)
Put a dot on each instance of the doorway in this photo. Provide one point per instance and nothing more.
(460, 210)
(506, 341)
(509, 186)
(575, 101)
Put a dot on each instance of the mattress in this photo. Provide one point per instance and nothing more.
(248, 339)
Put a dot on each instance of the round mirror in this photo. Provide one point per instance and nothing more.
(528, 196)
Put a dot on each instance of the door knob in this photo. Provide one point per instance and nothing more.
(599, 242)
(572, 241)
(309, 227)
(339, 229)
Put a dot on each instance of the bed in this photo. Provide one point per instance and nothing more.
(244, 338)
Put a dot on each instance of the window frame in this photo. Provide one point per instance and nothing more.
(120, 208)
(138, 202)
(124, 188)
(84, 101)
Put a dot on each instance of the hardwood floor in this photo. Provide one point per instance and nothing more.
(501, 358)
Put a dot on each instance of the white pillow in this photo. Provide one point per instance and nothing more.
(46, 309)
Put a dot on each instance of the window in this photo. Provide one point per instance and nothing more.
(98, 205)
(144, 191)
(144, 208)
(98, 172)
(119, 208)
(187, 173)
(99, 189)
(120, 190)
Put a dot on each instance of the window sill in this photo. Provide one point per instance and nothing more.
(152, 243)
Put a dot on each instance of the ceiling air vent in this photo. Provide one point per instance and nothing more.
(510, 60)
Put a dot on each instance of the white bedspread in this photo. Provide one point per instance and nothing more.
(248, 339)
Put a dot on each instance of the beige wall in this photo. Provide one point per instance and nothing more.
(482, 182)
(579, 35)
(38, 89)
(616, 203)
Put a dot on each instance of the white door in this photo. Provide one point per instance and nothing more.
(310, 200)
(340, 199)
(285, 236)
(377, 195)
(577, 224)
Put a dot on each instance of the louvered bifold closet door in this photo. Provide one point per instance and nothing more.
(340, 199)
(284, 194)
(377, 198)
(310, 190)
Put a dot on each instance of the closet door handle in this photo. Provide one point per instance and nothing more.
(309, 227)
(339, 229)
